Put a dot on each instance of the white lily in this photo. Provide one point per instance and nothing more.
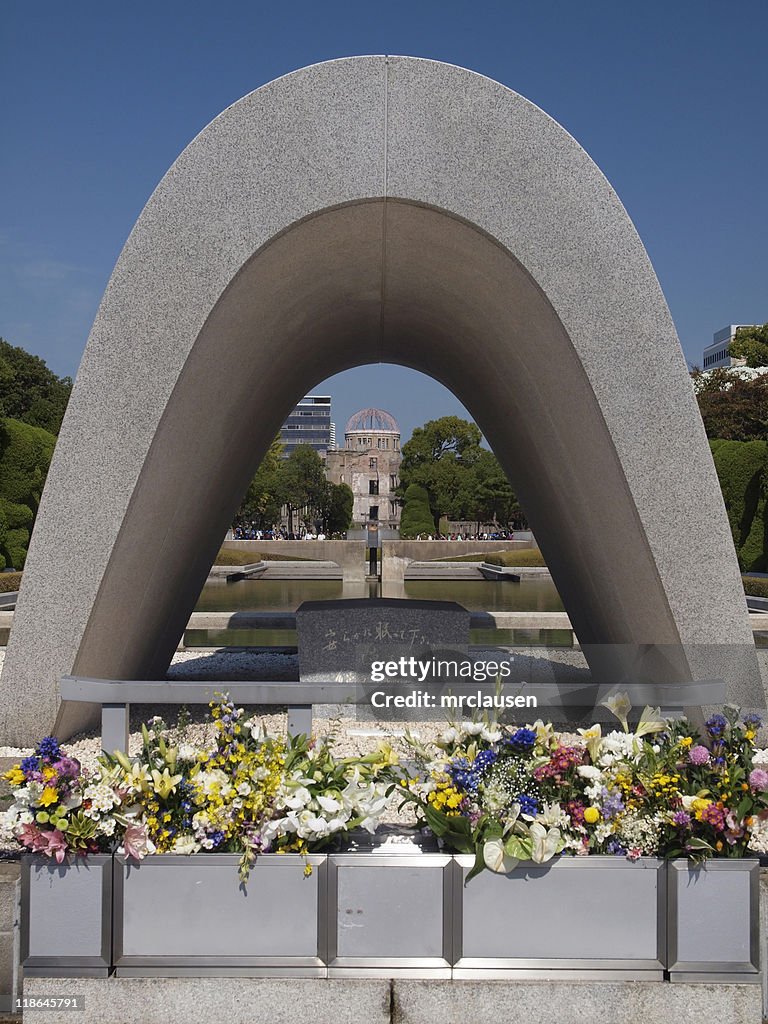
(593, 736)
(650, 722)
(619, 705)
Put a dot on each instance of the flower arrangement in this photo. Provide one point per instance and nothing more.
(59, 808)
(525, 794)
(249, 793)
(503, 793)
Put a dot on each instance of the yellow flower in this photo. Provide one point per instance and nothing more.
(49, 773)
(49, 796)
(165, 784)
(686, 741)
(15, 776)
(591, 815)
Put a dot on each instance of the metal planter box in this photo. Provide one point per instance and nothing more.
(390, 914)
(713, 923)
(177, 915)
(578, 916)
(66, 916)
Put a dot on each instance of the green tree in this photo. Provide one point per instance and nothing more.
(29, 391)
(263, 499)
(25, 455)
(440, 457)
(337, 515)
(463, 480)
(417, 517)
(303, 483)
(751, 343)
(495, 501)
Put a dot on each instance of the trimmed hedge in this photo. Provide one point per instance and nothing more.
(417, 517)
(742, 469)
(25, 455)
(9, 582)
(755, 586)
(235, 556)
(524, 557)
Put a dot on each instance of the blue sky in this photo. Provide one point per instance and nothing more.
(670, 99)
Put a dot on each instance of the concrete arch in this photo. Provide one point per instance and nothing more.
(376, 209)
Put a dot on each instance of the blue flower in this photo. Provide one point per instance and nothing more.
(528, 804)
(522, 741)
(615, 847)
(753, 720)
(30, 765)
(49, 748)
(716, 725)
(483, 761)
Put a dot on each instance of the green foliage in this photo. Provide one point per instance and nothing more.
(754, 586)
(302, 481)
(463, 480)
(495, 500)
(29, 391)
(416, 518)
(751, 343)
(262, 502)
(25, 455)
(340, 502)
(742, 469)
(732, 408)
(523, 557)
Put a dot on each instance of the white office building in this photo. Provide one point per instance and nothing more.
(716, 354)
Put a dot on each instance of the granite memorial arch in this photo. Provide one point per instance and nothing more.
(376, 209)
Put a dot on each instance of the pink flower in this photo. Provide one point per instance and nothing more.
(55, 845)
(758, 778)
(137, 843)
(30, 836)
(698, 755)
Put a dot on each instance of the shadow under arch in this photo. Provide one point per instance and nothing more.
(553, 357)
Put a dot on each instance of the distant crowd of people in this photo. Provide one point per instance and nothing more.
(246, 532)
(250, 532)
(498, 535)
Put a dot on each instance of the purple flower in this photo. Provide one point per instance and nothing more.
(614, 847)
(681, 819)
(698, 755)
(714, 816)
(68, 766)
(612, 804)
(758, 778)
(753, 721)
